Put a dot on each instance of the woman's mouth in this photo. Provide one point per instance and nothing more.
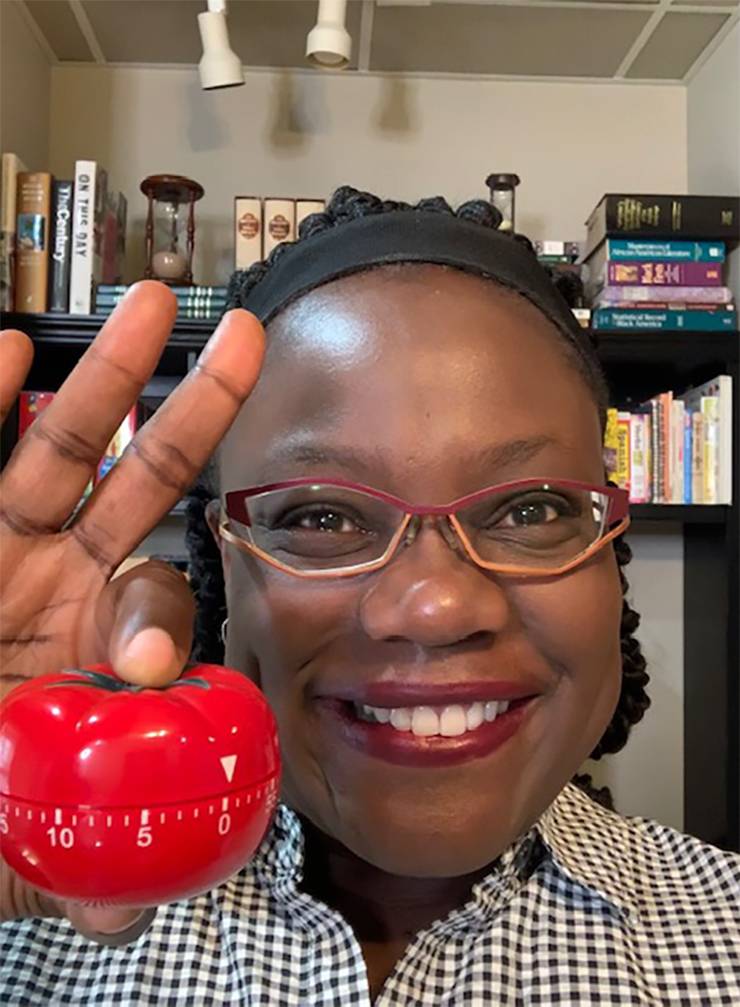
(426, 735)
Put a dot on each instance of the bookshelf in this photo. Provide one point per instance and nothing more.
(638, 365)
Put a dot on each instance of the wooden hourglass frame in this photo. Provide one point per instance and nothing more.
(177, 190)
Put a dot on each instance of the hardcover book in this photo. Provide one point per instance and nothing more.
(664, 216)
(304, 208)
(616, 294)
(279, 223)
(12, 166)
(247, 231)
(662, 274)
(61, 246)
(83, 239)
(669, 320)
(32, 241)
(628, 249)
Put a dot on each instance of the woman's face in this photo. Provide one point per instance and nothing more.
(409, 380)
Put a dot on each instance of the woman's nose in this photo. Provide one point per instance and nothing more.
(432, 595)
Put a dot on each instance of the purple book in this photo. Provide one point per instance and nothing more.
(617, 294)
(664, 274)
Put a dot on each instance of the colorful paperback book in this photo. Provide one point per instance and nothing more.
(622, 477)
(639, 472)
(618, 294)
(719, 389)
(687, 457)
(697, 457)
(668, 320)
(611, 444)
(662, 274)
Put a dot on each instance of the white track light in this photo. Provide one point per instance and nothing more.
(219, 65)
(328, 44)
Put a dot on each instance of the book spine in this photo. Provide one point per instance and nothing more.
(611, 444)
(697, 458)
(692, 216)
(32, 241)
(99, 223)
(118, 444)
(248, 230)
(61, 247)
(623, 451)
(279, 223)
(677, 451)
(665, 251)
(617, 294)
(304, 208)
(710, 411)
(638, 459)
(687, 457)
(668, 320)
(30, 407)
(666, 410)
(654, 446)
(83, 239)
(193, 291)
(664, 274)
(12, 166)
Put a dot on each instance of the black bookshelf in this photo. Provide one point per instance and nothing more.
(638, 366)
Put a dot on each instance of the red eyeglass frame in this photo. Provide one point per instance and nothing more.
(234, 507)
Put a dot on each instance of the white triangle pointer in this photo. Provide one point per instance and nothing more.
(229, 765)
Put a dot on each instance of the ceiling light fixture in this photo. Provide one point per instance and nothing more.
(329, 44)
(219, 65)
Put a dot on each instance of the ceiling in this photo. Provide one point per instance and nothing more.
(629, 40)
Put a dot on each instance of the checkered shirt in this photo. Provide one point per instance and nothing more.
(589, 908)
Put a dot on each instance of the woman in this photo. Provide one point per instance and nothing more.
(439, 673)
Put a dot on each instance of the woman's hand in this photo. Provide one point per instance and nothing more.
(59, 606)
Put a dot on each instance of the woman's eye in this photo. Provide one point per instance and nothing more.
(325, 520)
(533, 512)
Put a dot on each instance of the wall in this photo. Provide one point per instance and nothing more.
(713, 129)
(25, 85)
(305, 133)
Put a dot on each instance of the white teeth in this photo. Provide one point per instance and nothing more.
(428, 721)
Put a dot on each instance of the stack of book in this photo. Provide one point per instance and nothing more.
(206, 303)
(674, 449)
(60, 238)
(657, 262)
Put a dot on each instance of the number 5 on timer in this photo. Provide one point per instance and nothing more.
(120, 795)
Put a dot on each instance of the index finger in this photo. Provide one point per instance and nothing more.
(166, 455)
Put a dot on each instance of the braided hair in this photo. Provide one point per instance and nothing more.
(205, 568)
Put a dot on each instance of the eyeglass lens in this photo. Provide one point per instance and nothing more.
(320, 527)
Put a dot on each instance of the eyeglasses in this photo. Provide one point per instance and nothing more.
(322, 528)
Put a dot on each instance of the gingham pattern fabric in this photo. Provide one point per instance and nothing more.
(588, 909)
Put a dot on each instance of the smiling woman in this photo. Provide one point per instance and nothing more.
(409, 533)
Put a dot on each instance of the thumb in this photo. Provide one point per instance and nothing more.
(146, 615)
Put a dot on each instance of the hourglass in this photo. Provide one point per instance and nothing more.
(170, 227)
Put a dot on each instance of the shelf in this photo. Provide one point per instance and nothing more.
(680, 513)
(188, 333)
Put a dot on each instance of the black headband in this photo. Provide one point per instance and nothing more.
(409, 236)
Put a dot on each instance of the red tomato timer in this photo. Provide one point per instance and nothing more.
(121, 795)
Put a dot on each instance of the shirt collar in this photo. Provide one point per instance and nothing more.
(584, 841)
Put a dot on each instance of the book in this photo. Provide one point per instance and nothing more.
(664, 274)
(30, 407)
(635, 250)
(118, 444)
(697, 457)
(61, 245)
(12, 166)
(566, 251)
(639, 481)
(687, 457)
(304, 208)
(279, 226)
(247, 231)
(114, 238)
(676, 467)
(622, 476)
(611, 442)
(183, 291)
(204, 300)
(83, 238)
(32, 240)
(668, 320)
(663, 216)
(720, 390)
(617, 294)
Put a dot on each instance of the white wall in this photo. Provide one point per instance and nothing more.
(302, 134)
(25, 84)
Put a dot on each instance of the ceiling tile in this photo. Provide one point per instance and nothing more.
(675, 45)
(262, 32)
(476, 38)
(60, 27)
